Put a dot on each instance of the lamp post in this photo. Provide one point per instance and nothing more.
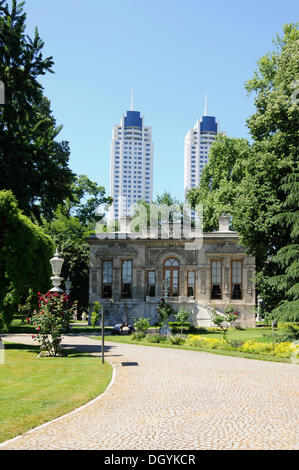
(56, 264)
(103, 336)
(166, 288)
(68, 284)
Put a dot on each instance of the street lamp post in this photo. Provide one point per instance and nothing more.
(103, 332)
(166, 288)
(56, 264)
(68, 285)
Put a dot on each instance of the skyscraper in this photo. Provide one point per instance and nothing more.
(197, 146)
(131, 163)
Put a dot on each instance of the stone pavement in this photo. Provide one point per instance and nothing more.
(178, 400)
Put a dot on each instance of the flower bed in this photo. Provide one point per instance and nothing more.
(284, 349)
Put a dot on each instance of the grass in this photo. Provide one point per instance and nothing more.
(35, 390)
(259, 335)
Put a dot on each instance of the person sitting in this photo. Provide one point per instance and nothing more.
(117, 329)
(131, 329)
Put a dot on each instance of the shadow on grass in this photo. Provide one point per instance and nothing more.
(28, 347)
(89, 349)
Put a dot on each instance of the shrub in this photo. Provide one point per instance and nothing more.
(285, 349)
(155, 338)
(142, 325)
(182, 316)
(291, 333)
(138, 336)
(174, 325)
(164, 310)
(205, 343)
(51, 320)
(95, 314)
(225, 320)
(176, 340)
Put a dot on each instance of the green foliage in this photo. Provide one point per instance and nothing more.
(25, 251)
(138, 336)
(165, 199)
(224, 320)
(181, 317)
(283, 350)
(34, 165)
(141, 325)
(258, 183)
(87, 197)
(291, 333)
(219, 182)
(176, 339)
(286, 277)
(72, 223)
(95, 314)
(164, 310)
(155, 338)
(51, 319)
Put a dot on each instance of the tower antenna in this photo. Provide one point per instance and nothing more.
(206, 106)
(132, 100)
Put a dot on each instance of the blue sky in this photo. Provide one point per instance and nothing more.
(170, 52)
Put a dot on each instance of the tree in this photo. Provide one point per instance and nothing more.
(286, 282)
(165, 199)
(73, 222)
(218, 189)
(246, 180)
(274, 129)
(224, 320)
(34, 165)
(25, 251)
(181, 317)
(87, 197)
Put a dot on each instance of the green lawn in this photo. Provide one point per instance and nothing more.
(257, 334)
(34, 390)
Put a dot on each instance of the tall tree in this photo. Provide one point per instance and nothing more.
(220, 179)
(25, 251)
(34, 165)
(274, 129)
(247, 182)
(72, 223)
(286, 278)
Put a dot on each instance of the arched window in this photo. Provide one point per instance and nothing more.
(171, 269)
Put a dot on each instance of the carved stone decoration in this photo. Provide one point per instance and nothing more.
(116, 286)
(249, 282)
(138, 281)
(116, 249)
(174, 252)
(226, 248)
(226, 280)
(153, 254)
(94, 281)
(182, 282)
(203, 281)
(190, 257)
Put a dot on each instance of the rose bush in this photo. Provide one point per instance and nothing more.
(50, 320)
(224, 320)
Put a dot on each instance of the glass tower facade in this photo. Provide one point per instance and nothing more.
(131, 164)
(197, 146)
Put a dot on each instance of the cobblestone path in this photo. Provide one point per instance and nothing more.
(179, 400)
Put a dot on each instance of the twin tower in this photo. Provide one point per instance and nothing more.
(131, 159)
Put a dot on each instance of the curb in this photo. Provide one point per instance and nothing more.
(76, 410)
